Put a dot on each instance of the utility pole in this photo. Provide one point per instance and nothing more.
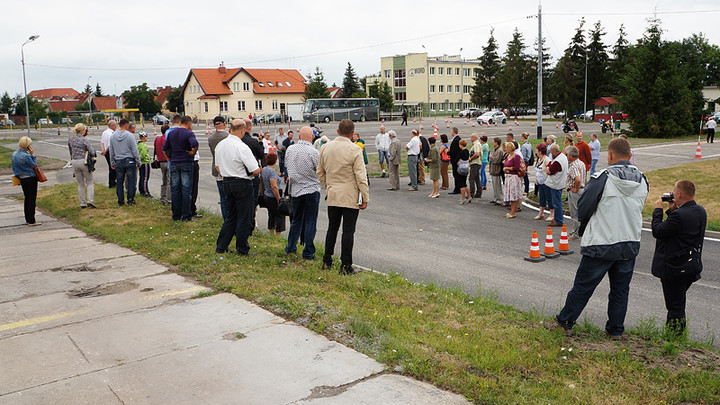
(540, 73)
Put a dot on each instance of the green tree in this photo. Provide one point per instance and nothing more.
(385, 96)
(82, 107)
(37, 110)
(175, 100)
(616, 65)
(88, 89)
(485, 90)
(6, 103)
(656, 94)
(317, 88)
(98, 91)
(515, 77)
(597, 69)
(143, 98)
(350, 84)
(564, 85)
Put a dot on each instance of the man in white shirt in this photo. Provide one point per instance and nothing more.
(382, 144)
(711, 125)
(237, 166)
(105, 144)
(413, 150)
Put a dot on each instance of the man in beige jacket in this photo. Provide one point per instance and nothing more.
(394, 162)
(341, 169)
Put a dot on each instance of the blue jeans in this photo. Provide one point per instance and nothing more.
(589, 274)
(241, 205)
(592, 166)
(223, 202)
(483, 174)
(181, 181)
(125, 167)
(383, 155)
(304, 219)
(556, 204)
(412, 161)
(544, 196)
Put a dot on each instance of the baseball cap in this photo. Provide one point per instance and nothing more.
(218, 120)
(142, 134)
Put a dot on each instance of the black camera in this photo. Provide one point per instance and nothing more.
(668, 197)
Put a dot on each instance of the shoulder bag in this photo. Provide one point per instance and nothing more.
(463, 167)
(89, 161)
(39, 174)
(284, 206)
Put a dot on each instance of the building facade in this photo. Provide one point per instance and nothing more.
(437, 85)
(241, 92)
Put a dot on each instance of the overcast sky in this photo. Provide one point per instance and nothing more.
(159, 41)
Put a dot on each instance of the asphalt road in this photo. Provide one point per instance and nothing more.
(473, 246)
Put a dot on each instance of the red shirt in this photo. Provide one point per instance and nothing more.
(585, 154)
(158, 144)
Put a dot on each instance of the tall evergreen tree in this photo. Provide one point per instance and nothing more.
(597, 69)
(564, 85)
(546, 73)
(317, 88)
(515, 77)
(485, 91)
(616, 65)
(6, 103)
(350, 85)
(656, 94)
(88, 89)
(98, 91)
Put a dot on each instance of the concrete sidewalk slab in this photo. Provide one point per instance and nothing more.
(83, 321)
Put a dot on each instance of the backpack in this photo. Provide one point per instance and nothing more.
(531, 162)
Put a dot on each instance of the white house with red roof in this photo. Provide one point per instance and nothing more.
(240, 92)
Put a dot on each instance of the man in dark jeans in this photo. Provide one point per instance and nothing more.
(454, 154)
(237, 166)
(180, 148)
(124, 159)
(678, 249)
(259, 152)
(341, 169)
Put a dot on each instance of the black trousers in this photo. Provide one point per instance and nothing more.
(675, 293)
(710, 135)
(195, 183)
(348, 216)
(456, 176)
(29, 187)
(111, 171)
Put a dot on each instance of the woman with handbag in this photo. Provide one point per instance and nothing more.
(80, 148)
(514, 173)
(23, 165)
(463, 171)
(271, 194)
(444, 162)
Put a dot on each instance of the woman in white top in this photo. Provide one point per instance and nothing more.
(543, 194)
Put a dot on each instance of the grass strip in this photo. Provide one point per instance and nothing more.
(488, 352)
(45, 163)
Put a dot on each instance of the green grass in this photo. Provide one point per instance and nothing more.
(43, 162)
(488, 352)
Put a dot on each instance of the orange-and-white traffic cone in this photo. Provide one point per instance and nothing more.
(510, 129)
(557, 125)
(495, 123)
(155, 132)
(550, 252)
(435, 133)
(446, 121)
(421, 127)
(473, 124)
(532, 123)
(698, 152)
(448, 125)
(564, 245)
(516, 123)
(534, 249)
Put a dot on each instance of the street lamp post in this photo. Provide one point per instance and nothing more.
(462, 89)
(88, 101)
(427, 74)
(586, 81)
(27, 107)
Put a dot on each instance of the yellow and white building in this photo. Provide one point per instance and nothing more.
(240, 92)
(442, 83)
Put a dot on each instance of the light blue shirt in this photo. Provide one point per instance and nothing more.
(594, 149)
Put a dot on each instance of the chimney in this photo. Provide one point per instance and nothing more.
(222, 68)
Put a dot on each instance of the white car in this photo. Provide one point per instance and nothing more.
(468, 112)
(715, 116)
(492, 117)
(45, 121)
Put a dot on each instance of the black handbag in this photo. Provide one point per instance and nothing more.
(284, 205)
(155, 164)
(90, 162)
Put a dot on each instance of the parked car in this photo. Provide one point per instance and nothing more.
(587, 115)
(161, 119)
(6, 122)
(276, 118)
(715, 116)
(259, 118)
(44, 121)
(467, 112)
(492, 117)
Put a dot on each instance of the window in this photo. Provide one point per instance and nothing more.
(400, 96)
(432, 70)
(270, 84)
(279, 84)
(241, 105)
(191, 107)
(388, 74)
(258, 105)
(261, 84)
(457, 71)
(432, 88)
(236, 86)
(466, 72)
(206, 106)
(274, 104)
(432, 106)
(466, 89)
(288, 84)
(399, 78)
(457, 88)
(441, 71)
(457, 106)
(441, 88)
(223, 106)
(442, 106)
(246, 86)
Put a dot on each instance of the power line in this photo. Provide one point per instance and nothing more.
(637, 13)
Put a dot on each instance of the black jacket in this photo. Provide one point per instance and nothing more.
(679, 241)
(424, 147)
(255, 146)
(454, 151)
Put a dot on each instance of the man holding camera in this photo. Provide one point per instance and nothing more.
(678, 248)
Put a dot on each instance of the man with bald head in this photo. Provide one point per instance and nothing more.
(301, 162)
(105, 144)
(259, 152)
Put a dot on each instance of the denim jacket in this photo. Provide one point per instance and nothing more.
(23, 163)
